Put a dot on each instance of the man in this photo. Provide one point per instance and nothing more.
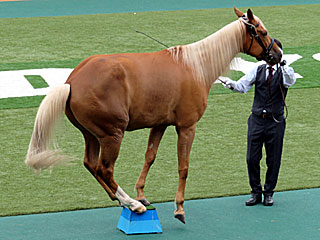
(266, 124)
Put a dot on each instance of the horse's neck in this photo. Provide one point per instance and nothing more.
(211, 57)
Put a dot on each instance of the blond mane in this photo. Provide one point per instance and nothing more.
(210, 57)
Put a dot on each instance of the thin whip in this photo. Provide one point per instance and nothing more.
(152, 38)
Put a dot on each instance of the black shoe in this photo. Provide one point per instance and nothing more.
(255, 199)
(268, 201)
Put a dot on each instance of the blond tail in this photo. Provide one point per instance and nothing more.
(39, 155)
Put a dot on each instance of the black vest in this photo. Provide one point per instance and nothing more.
(273, 104)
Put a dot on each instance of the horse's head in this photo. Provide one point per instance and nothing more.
(257, 42)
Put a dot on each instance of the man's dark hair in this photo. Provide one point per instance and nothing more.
(278, 43)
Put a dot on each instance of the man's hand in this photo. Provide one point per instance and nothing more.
(228, 84)
(282, 63)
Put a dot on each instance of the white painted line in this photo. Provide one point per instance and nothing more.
(316, 56)
(14, 84)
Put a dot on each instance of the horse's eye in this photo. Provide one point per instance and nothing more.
(264, 34)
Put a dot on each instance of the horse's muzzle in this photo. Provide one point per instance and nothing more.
(272, 58)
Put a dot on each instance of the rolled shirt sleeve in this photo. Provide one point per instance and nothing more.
(245, 83)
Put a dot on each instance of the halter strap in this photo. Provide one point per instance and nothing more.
(270, 46)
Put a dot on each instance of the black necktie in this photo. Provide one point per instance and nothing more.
(270, 74)
(269, 78)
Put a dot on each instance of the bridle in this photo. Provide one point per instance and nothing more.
(254, 35)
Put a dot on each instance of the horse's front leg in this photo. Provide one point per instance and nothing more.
(155, 136)
(185, 140)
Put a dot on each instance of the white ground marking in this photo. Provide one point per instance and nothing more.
(14, 83)
(316, 56)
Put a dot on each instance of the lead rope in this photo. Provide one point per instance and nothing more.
(284, 101)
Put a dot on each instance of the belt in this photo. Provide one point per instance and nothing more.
(278, 117)
(263, 115)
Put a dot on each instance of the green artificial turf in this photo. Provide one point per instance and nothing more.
(50, 42)
(217, 163)
(65, 41)
(36, 81)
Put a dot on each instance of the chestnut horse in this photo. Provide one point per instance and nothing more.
(107, 95)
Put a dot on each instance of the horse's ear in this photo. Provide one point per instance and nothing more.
(238, 12)
(250, 15)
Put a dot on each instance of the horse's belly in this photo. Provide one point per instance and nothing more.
(149, 119)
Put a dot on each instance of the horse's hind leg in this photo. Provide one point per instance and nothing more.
(110, 147)
(91, 160)
(92, 148)
(155, 136)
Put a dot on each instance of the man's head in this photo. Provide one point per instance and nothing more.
(278, 43)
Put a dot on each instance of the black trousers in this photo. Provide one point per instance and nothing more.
(264, 131)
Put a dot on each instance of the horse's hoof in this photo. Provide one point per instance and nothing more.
(180, 217)
(145, 202)
(139, 209)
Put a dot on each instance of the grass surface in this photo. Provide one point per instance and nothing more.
(47, 42)
(36, 81)
(217, 165)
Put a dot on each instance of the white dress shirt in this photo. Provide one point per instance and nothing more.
(245, 83)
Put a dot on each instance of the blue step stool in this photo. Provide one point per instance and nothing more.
(139, 223)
